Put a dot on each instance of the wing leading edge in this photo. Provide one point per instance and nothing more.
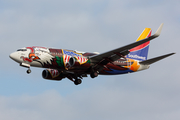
(115, 54)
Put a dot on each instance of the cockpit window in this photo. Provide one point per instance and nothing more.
(22, 50)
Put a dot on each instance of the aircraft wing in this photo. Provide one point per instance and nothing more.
(113, 55)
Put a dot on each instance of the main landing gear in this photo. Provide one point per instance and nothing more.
(77, 81)
(94, 74)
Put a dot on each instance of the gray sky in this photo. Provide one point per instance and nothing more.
(94, 26)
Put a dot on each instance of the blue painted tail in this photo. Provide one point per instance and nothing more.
(140, 52)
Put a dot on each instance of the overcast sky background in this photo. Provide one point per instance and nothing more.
(93, 26)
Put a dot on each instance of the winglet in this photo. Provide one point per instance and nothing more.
(158, 32)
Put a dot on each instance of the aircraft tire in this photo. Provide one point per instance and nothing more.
(94, 74)
(78, 81)
(28, 71)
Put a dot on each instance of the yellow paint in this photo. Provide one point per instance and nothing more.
(134, 67)
(144, 34)
(81, 62)
(63, 60)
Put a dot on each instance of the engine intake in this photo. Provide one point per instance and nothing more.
(72, 61)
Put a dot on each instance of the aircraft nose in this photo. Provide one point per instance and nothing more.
(14, 56)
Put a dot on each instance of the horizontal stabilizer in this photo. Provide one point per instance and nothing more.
(153, 60)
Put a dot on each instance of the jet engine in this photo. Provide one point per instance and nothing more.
(79, 62)
(52, 74)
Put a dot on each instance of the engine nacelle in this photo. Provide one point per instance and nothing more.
(52, 74)
(79, 62)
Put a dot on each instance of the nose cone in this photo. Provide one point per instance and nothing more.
(14, 56)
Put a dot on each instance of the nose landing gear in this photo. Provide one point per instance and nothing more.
(27, 66)
(28, 71)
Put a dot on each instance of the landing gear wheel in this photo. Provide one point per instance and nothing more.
(78, 81)
(94, 74)
(28, 71)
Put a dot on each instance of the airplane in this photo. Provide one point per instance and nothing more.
(74, 65)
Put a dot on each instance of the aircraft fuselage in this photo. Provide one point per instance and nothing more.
(70, 60)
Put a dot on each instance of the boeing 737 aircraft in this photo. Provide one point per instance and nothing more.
(74, 65)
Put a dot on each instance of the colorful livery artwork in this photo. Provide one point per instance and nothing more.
(74, 65)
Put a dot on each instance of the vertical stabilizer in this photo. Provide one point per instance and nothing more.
(141, 52)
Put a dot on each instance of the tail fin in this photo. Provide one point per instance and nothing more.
(141, 52)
